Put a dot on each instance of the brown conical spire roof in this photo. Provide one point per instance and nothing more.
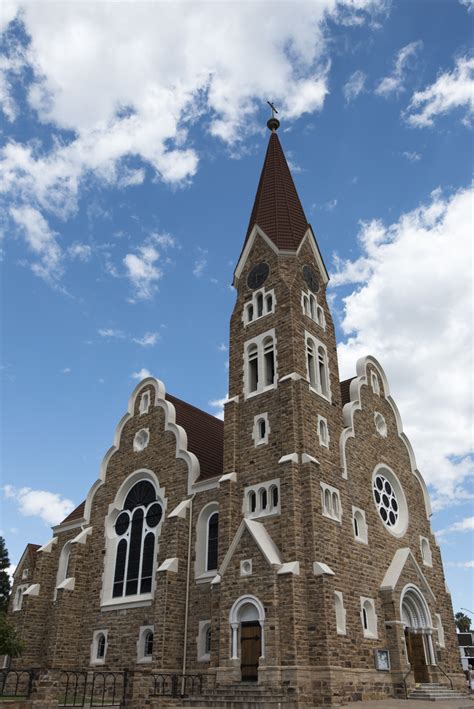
(277, 208)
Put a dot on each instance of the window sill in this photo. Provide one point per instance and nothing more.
(144, 660)
(319, 393)
(124, 602)
(95, 663)
(204, 658)
(331, 517)
(370, 636)
(250, 395)
(259, 515)
(359, 540)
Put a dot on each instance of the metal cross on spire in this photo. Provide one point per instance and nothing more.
(273, 123)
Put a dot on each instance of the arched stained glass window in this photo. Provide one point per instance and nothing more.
(137, 529)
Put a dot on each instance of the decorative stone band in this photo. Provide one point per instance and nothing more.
(170, 565)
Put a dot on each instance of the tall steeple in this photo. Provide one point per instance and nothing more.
(277, 209)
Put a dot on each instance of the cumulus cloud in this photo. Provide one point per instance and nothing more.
(354, 86)
(468, 4)
(411, 308)
(141, 374)
(411, 155)
(143, 272)
(49, 506)
(218, 405)
(461, 564)
(451, 90)
(464, 525)
(200, 263)
(81, 252)
(111, 332)
(149, 339)
(395, 82)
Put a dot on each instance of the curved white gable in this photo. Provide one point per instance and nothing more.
(170, 425)
(354, 405)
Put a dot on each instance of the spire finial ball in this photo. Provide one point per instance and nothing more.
(273, 124)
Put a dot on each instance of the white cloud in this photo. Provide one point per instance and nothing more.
(394, 83)
(469, 4)
(461, 564)
(111, 332)
(222, 347)
(11, 570)
(143, 271)
(41, 241)
(451, 90)
(200, 263)
(412, 310)
(49, 506)
(66, 370)
(122, 99)
(141, 374)
(81, 252)
(411, 155)
(218, 404)
(354, 86)
(464, 525)
(148, 340)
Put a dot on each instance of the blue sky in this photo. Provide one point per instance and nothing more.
(131, 141)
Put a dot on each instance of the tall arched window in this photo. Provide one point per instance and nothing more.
(269, 361)
(323, 371)
(136, 527)
(212, 541)
(311, 359)
(252, 355)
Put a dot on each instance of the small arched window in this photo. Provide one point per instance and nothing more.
(148, 644)
(263, 499)
(207, 642)
(268, 361)
(323, 433)
(375, 383)
(369, 618)
(252, 363)
(259, 305)
(269, 303)
(274, 496)
(327, 501)
(306, 306)
(252, 501)
(212, 542)
(320, 319)
(137, 528)
(312, 307)
(249, 313)
(262, 428)
(144, 403)
(311, 361)
(365, 618)
(340, 613)
(322, 369)
(100, 654)
(335, 504)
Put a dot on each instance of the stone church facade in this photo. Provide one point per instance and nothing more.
(284, 554)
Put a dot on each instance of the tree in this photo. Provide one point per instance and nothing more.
(4, 577)
(10, 644)
(463, 622)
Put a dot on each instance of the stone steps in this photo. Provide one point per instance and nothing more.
(435, 692)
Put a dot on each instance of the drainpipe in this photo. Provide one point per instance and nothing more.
(188, 583)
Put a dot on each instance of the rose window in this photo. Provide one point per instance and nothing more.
(386, 500)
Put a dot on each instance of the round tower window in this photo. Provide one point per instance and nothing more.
(390, 501)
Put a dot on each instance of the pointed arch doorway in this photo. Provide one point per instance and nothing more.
(247, 617)
(418, 632)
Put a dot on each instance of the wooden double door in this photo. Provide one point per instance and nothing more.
(251, 649)
(416, 655)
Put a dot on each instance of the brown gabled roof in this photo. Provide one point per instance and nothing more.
(205, 439)
(345, 390)
(33, 547)
(205, 436)
(77, 513)
(277, 208)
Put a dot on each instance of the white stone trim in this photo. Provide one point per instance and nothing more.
(314, 311)
(67, 585)
(291, 567)
(63, 563)
(258, 341)
(422, 606)
(228, 477)
(311, 239)
(145, 401)
(48, 547)
(246, 567)
(362, 536)
(329, 493)
(142, 633)
(82, 537)
(322, 569)
(258, 490)
(399, 529)
(354, 405)
(368, 604)
(18, 597)
(294, 377)
(180, 510)
(235, 620)
(425, 550)
(340, 612)
(323, 442)
(257, 439)
(289, 458)
(380, 424)
(141, 440)
(117, 604)
(306, 458)
(263, 540)
(170, 565)
(33, 590)
(201, 571)
(440, 630)
(202, 654)
(394, 571)
(94, 660)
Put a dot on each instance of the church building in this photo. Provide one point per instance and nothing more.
(282, 557)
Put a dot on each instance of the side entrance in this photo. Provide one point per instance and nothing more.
(416, 655)
(251, 646)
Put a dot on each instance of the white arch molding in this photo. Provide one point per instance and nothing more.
(246, 608)
(416, 617)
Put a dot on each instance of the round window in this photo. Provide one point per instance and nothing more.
(390, 501)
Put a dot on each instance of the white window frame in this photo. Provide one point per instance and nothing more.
(246, 567)
(362, 536)
(440, 630)
(340, 612)
(258, 490)
(138, 444)
(202, 655)
(94, 660)
(328, 510)
(375, 383)
(62, 573)
(426, 556)
(201, 573)
(18, 597)
(312, 309)
(324, 443)
(253, 303)
(143, 632)
(24, 574)
(258, 342)
(257, 439)
(315, 383)
(145, 401)
(368, 605)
